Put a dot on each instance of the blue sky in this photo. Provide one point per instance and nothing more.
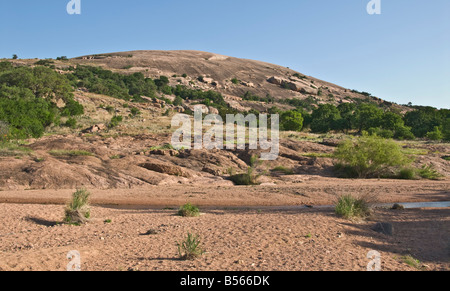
(402, 55)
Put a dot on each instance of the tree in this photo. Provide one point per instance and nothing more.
(446, 129)
(15, 57)
(367, 116)
(423, 120)
(291, 120)
(324, 117)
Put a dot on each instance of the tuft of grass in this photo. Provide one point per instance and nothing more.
(428, 172)
(351, 207)
(189, 248)
(188, 210)
(70, 153)
(415, 151)
(447, 158)
(107, 221)
(412, 262)
(77, 210)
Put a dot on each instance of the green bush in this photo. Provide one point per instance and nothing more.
(370, 156)
(291, 121)
(407, 174)
(436, 134)
(115, 121)
(246, 179)
(350, 207)
(188, 210)
(71, 122)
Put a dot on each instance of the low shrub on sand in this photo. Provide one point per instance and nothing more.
(352, 207)
(188, 210)
(77, 211)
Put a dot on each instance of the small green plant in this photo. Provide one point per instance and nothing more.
(189, 248)
(77, 210)
(107, 221)
(351, 207)
(188, 210)
(447, 158)
(235, 81)
(308, 235)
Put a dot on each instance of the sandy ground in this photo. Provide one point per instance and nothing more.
(312, 190)
(233, 237)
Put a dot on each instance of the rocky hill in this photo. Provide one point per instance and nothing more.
(232, 77)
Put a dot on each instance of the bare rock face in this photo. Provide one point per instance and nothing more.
(297, 86)
(166, 168)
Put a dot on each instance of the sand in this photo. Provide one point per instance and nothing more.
(233, 237)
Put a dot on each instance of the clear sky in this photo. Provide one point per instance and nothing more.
(402, 55)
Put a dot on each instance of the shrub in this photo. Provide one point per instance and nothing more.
(350, 207)
(436, 134)
(246, 179)
(135, 111)
(115, 121)
(77, 210)
(188, 210)
(71, 122)
(189, 248)
(235, 81)
(370, 156)
(291, 121)
(407, 174)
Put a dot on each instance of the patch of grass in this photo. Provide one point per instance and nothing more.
(70, 153)
(447, 158)
(415, 151)
(162, 147)
(284, 170)
(318, 155)
(77, 211)
(107, 221)
(351, 207)
(412, 262)
(12, 149)
(189, 248)
(188, 210)
(428, 172)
